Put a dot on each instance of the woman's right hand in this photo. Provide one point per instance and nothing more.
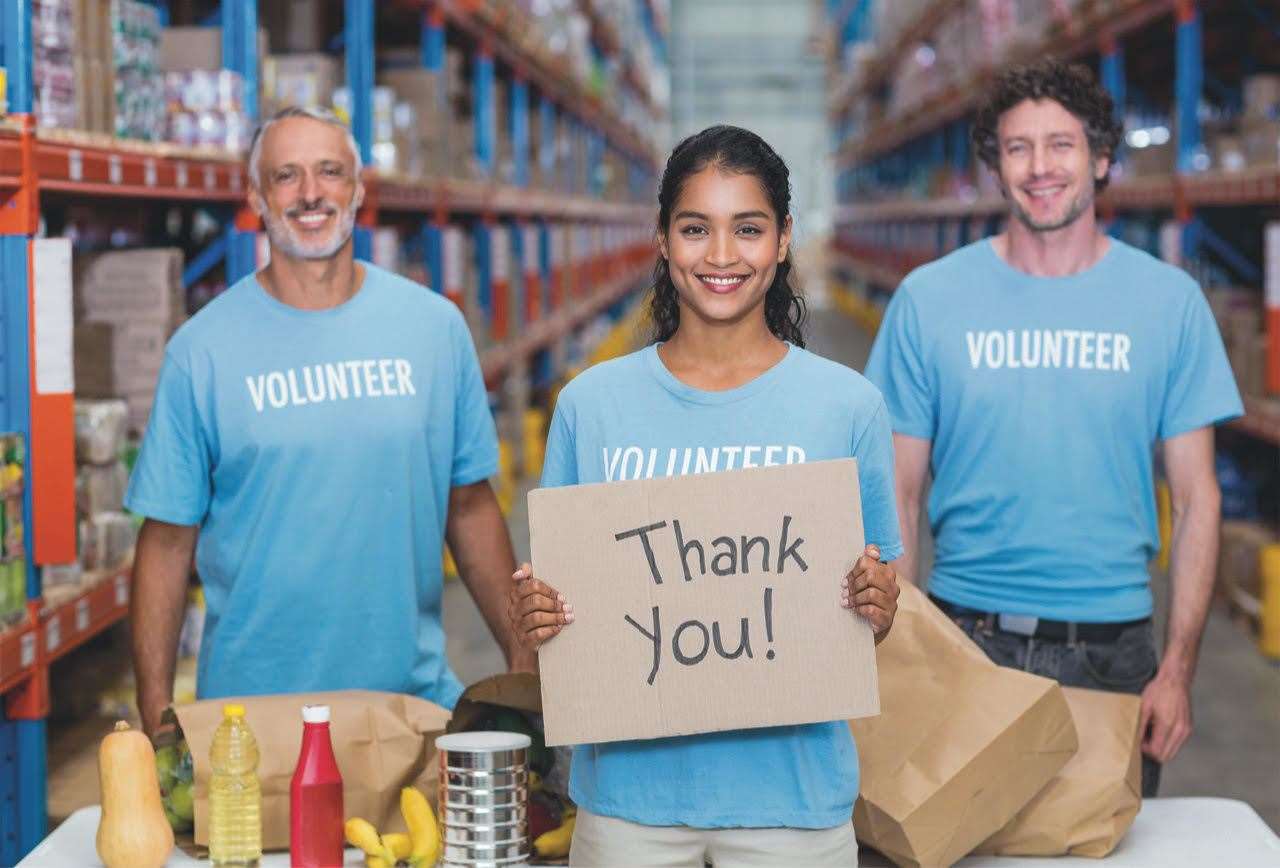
(536, 611)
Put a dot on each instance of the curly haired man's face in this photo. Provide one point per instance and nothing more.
(1046, 168)
(723, 245)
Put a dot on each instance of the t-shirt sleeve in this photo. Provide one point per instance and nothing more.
(171, 479)
(897, 368)
(874, 451)
(1201, 388)
(560, 467)
(475, 439)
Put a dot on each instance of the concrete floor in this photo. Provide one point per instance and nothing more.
(1234, 751)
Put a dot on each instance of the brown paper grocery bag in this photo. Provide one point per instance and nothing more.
(960, 745)
(1089, 806)
(383, 742)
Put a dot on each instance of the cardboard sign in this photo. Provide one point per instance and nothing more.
(703, 603)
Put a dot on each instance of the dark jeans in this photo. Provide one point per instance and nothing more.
(1123, 666)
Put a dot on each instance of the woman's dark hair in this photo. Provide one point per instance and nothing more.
(729, 149)
(1071, 85)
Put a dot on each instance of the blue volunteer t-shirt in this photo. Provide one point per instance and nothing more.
(316, 451)
(632, 419)
(1044, 398)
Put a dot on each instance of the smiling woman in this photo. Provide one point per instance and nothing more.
(725, 235)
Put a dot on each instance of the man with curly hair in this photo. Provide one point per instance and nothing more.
(1035, 373)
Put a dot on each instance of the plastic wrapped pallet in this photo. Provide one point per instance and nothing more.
(106, 540)
(100, 430)
(101, 487)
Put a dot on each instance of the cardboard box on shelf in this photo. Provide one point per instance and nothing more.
(1261, 140)
(129, 286)
(94, 355)
(189, 49)
(1262, 96)
(307, 80)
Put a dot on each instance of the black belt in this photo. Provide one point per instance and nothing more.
(1040, 628)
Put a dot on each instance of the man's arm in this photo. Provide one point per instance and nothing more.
(161, 568)
(910, 470)
(1193, 558)
(481, 546)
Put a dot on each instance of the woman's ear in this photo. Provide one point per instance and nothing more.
(784, 240)
(662, 245)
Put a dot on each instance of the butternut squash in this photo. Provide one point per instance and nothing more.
(133, 831)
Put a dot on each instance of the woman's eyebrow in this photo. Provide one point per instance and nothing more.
(691, 215)
(750, 215)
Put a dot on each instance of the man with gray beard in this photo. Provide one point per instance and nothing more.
(319, 430)
(1035, 373)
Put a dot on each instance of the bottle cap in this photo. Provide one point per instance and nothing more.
(233, 709)
(315, 714)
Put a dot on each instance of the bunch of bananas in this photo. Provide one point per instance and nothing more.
(420, 848)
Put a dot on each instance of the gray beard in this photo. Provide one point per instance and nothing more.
(284, 240)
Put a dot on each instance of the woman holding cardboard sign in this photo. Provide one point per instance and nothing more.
(727, 384)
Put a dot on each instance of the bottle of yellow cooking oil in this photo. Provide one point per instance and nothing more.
(235, 798)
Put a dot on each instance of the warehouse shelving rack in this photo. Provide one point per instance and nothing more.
(879, 242)
(114, 171)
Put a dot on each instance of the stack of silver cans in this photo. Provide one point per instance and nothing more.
(484, 797)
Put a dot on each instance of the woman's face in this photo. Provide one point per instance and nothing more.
(723, 245)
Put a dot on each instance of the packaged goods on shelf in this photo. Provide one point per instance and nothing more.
(307, 80)
(101, 487)
(13, 570)
(100, 429)
(387, 249)
(206, 109)
(106, 540)
(1260, 139)
(56, 98)
(139, 100)
(61, 575)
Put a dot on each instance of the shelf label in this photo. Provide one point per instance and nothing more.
(115, 169)
(53, 635)
(149, 172)
(27, 650)
(75, 165)
(180, 175)
(122, 590)
(82, 615)
(210, 178)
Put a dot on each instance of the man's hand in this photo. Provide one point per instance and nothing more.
(537, 612)
(871, 590)
(1166, 716)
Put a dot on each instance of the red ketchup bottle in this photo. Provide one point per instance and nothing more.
(315, 797)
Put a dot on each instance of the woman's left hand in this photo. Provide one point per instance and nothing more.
(871, 590)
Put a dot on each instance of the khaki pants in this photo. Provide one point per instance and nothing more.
(601, 842)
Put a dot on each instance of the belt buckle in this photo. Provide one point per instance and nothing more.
(1022, 625)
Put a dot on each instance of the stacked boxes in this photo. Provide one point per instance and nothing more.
(1240, 318)
(107, 535)
(1260, 126)
(13, 563)
(206, 109)
(138, 294)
